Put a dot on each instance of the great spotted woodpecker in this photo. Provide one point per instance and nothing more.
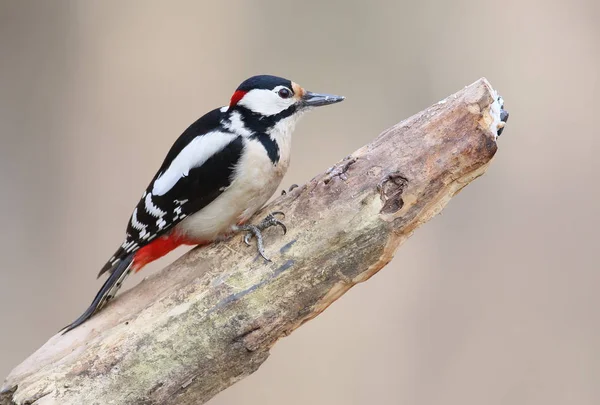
(218, 173)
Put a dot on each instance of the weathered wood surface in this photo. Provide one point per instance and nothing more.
(209, 319)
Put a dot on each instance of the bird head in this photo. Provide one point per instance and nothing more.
(271, 95)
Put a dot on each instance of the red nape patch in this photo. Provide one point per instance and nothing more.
(237, 96)
(157, 249)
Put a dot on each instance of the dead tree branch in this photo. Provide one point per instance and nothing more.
(209, 319)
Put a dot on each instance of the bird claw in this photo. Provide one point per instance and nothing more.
(293, 186)
(281, 225)
(256, 231)
(271, 220)
(247, 237)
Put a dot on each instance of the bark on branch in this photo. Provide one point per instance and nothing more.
(209, 319)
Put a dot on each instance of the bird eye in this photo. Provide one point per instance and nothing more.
(284, 93)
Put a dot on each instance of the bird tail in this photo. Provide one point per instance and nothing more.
(110, 287)
(111, 264)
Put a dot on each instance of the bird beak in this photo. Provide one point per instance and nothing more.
(310, 99)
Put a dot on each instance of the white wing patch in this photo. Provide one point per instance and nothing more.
(193, 155)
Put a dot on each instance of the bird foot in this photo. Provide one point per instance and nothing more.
(256, 231)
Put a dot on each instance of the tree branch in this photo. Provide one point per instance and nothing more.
(209, 319)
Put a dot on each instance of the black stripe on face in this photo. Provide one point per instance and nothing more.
(263, 124)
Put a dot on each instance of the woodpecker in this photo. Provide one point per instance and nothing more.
(218, 173)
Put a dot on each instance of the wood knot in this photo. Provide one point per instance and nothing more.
(390, 190)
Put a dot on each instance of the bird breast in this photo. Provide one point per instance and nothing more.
(255, 180)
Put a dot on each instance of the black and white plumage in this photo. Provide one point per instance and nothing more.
(185, 183)
(218, 173)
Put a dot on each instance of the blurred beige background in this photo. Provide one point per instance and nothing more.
(493, 302)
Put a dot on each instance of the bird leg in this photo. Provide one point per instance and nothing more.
(256, 231)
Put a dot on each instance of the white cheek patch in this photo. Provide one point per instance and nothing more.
(265, 102)
(193, 155)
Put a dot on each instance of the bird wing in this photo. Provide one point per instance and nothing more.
(197, 169)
